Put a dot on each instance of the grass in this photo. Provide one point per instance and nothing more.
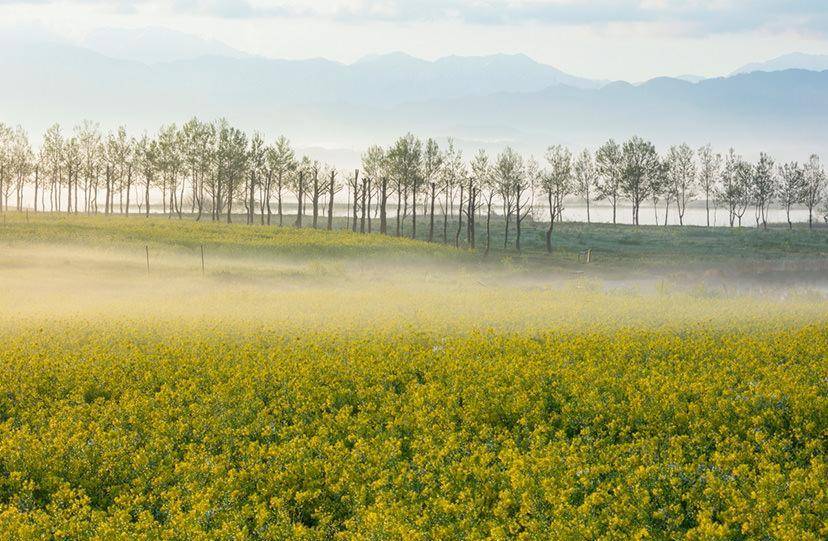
(131, 231)
(613, 246)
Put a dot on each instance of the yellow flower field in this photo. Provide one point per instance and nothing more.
(162, 431)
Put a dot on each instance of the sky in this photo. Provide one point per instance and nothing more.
(632, 40)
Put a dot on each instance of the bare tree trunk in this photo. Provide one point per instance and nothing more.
(506, 236)
(267, 196)
(367, 202)
(315, 200)
(614, 208)
(587, 203)
(331, 200)
(69, 192)
(552, 212)
(459, 220)
(399, 204)
(128, 185)
(414, 209)
(36, 179)
(363, 208)
(788, 213)
(383, 202)
(300, 201)
(488, 224)
(146, 197)
(470, 216)
(431, 214)
(707, 205)
(279, 200)
(446, 215)
(354, 208)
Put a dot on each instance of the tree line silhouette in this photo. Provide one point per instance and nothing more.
(213, 169)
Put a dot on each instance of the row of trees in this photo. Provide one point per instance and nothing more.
(214, 169)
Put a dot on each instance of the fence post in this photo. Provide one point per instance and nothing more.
(146, 249)
(202, 260)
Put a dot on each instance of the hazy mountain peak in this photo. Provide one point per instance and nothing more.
(803, 61)
(152, 45)
(395, 57)
(690, 78)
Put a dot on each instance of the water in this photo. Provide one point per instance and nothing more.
(694, 215)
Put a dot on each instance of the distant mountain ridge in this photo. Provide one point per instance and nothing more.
(802, 61)
(492, 100)
(152, 45)
(383, 80)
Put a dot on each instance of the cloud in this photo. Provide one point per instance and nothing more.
(690, 16)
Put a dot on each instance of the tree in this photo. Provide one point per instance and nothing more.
(791, 187)
(484, 176)
(609, 166)
(72, 162)
(282, 163)
(763, 189)
(375, 165)
(22, 164)
(814, 186)
(639, 173)
(333, 188)
(256, 159)
(729, 191)
(682, 178)
(556, 183)
(586, 176)
(710, 165)
(232, 164)
(93, 154)
(170, 167)
(508, 173)
(450, 179)
(432, 162)
(480, 187)
(53, 154)
(660, 187)
(5, 164)
(198, 140)
(299, 186)
(353, 184)
(404, 162)
(524, 194)
(317, 186)
(147, 158)
(119, 158)
(744, 180)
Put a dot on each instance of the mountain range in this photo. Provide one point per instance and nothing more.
(802, 61)
(481, 101)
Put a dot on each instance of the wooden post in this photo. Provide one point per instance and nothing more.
(202, 260)
(146, 248)
(589, 256)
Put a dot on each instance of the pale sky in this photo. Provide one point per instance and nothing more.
(607, 39)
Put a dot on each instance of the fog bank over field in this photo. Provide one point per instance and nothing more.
(44, 280)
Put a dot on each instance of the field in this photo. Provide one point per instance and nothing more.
(311, 385)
